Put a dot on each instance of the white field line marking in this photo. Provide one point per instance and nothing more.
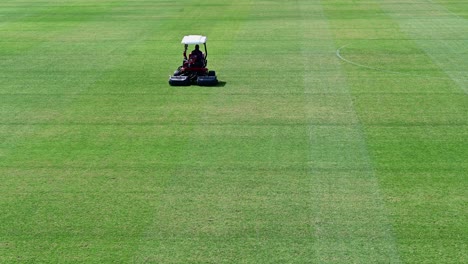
(338, 54)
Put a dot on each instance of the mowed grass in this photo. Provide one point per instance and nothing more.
(302, 156)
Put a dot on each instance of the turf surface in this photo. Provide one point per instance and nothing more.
(339, 133)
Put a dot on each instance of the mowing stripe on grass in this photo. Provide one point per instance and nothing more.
(350, 220)
(102, 161)
(197, 217)
(435, 29)
(446, 9)
(50, 83)
(423, 152)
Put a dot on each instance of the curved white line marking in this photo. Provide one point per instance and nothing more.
(338, 54)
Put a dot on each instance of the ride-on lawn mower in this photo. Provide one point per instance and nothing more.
(193, 69)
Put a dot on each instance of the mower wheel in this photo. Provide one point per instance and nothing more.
(177, 72)
(179, 81)
(211, 73)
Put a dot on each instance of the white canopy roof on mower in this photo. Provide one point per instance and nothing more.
(194, 39)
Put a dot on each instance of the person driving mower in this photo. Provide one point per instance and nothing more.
(197, 58)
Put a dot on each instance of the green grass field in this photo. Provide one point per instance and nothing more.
(340, 134)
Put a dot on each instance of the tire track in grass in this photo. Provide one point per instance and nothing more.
(439, 32)
(351, 223)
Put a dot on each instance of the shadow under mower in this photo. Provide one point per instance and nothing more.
(193, 69)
